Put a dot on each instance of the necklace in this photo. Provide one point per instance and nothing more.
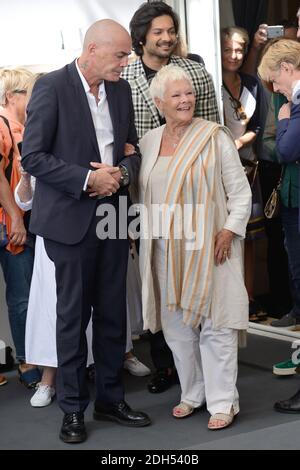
(174, 139)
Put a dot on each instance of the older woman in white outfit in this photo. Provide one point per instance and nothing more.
(191, 258)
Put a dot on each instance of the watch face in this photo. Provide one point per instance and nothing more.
(125, 176)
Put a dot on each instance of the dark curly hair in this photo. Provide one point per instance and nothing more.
(142, 19)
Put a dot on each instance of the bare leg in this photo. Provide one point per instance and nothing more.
(49, 375)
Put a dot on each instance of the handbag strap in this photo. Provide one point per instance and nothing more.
(278, 186)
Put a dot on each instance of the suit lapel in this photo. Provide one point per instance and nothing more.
(114, 115)
(85, 112)
(143, 88)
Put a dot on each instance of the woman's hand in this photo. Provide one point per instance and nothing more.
(129, 149)
(223, 246)
(18, 232)
(238, 144)
(261, 37)
(285, 112)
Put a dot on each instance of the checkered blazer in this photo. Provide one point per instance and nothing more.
(146, 114)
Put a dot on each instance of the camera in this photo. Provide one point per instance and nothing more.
(275, 31)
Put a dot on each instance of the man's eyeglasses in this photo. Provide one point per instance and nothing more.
(239, 113)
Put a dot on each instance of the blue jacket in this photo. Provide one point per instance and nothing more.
(288, 133)
(288, 139)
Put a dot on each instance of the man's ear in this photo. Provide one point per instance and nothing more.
(287, 67)
(92, 47)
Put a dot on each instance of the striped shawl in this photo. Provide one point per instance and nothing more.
(191, 180)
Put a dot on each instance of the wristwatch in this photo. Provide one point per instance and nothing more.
(124, 176)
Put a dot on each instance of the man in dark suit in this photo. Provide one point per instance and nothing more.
(77, 115)
(280, 70)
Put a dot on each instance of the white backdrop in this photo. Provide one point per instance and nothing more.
(33, 32)
(50, 31)
(46, 34)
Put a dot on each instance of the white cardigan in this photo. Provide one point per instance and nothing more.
(229, 307)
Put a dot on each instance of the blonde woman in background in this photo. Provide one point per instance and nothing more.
(16, 257)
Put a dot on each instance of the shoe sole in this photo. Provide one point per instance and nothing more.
(289, 412)
(3, 383)
(284, 372)
(294, 327)
(104, 417)
(72, 440)
(41, 406)
(144, 374)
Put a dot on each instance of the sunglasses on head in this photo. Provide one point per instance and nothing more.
(22, 92)
(239, 113)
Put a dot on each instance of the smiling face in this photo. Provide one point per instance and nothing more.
(161, 38)
(178, 104)
(233, 53)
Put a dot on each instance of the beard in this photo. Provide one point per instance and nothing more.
(157, 50)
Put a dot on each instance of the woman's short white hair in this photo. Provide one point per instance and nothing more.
(169, 73)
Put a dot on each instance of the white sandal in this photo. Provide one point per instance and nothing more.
(227, 420)
(182, 410)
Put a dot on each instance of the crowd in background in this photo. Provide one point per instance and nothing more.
(158, 134)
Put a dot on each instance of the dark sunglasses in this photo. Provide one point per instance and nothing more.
(239, 113)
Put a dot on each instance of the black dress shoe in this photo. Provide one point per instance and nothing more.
(122, 414)
(289, 406)
(162, 381)
(73, 429)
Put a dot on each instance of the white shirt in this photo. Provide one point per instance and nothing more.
(102, 121)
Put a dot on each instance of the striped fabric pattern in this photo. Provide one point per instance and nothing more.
(191, 181)
(146, 114)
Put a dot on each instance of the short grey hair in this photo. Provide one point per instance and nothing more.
(298, 13)
(169, 73)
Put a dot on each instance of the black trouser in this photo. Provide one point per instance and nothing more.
(161, 354)
(277, 261)
(90, 274)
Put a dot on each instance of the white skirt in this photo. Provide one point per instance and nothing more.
(40, 339)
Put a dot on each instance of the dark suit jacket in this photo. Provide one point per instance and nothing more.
(288, 141)
(59, 144)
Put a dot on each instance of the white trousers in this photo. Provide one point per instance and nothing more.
(206, 361)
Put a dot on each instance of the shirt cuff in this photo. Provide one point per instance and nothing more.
(86, 180)
(24, 206)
